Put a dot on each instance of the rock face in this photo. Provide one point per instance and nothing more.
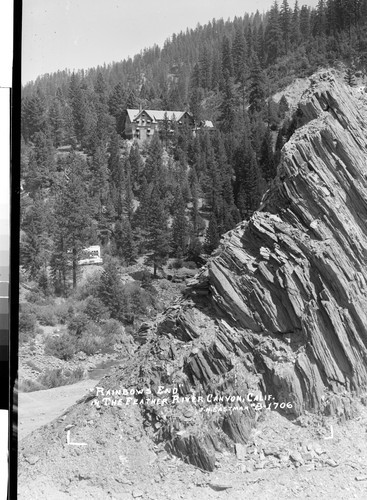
(281, 307)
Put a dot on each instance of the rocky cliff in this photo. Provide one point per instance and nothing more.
(281, 307)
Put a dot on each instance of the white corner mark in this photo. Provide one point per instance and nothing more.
(73, 444)
(332, 433)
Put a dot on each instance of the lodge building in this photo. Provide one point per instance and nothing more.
(141, 124)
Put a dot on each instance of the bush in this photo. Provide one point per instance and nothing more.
(58, 377)
(190, 265)
(177, 264)
(96, 310)
(36, 297)
(62, 313)
(113, 330)
(27, 326)
(92, 340)
(46, 316)
(63, 347)
(78, 324)
(27, 385)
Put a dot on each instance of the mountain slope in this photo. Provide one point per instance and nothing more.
(278, 314)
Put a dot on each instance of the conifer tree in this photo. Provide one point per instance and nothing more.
(179, 226)
(256, 88)
(33, 116)
(285, 21)
(239, 54)
(42, 166)
(267, 160)
(137, 165)
(212, 236)
(153, 170)
(295, 35)
(273, 34)
(117, 104)
(73, 214)
(158, 232)
(227, 61)
(124, 241)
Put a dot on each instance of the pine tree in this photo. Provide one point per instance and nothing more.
(212, 236)
(273, 35)
(228, 107)
(78, 106)
(283, 106)
(158, 233)
(227, 61)
(153, 170)
(267, 160)
(57, 120)
(295, 36)
(128, 192)
(285, 21)
(239, 54)
(33, 116)
(136, 164)
(73, 213)
(256, 88)
(124, 241)
(114, 162)
(179, 226)
(117, 104)
(37, 224)
(304, 22)
(111, 293)
(42, 166)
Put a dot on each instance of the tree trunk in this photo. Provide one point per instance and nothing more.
(74, 267)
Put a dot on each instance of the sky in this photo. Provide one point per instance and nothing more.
(76, 34)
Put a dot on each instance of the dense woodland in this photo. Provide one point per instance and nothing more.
(84, 184)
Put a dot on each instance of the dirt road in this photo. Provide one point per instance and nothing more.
(38, 408)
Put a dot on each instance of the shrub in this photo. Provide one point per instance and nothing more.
(27, 385)
(46, 316)
(33, 365)
(78, 324)
(58, 377)
(92, 340)
(63, 347)
(27, 326)
(177, 264)
(190, 265)
(62, 313)
(96, 310)
(112, 330)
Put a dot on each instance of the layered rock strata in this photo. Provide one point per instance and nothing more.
(281, 307)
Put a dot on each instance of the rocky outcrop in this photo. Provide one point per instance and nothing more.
(281, 307)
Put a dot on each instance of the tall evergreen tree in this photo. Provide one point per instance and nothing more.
(179, 226)
(285, 21)
(256, 88)
(158, 232)
(73, 214)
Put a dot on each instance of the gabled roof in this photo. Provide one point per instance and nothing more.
(155, 114)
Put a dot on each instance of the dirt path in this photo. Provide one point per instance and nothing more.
(38, 408)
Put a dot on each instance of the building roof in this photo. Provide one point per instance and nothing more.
(156, 115)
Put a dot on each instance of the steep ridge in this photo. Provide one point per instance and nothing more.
(281, 307)
(278, 314)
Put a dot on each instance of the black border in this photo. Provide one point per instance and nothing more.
(15, 141)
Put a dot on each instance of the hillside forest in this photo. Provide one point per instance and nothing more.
(84, 183)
